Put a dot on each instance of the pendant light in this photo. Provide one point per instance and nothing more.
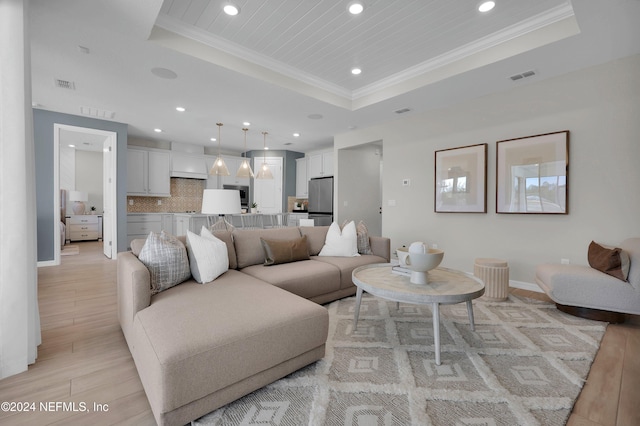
(219, 167)
(265, 171)
(244, 171)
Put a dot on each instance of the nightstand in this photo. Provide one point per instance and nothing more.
(84, 227)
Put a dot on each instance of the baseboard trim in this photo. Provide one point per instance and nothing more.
(47, 263)
(525, 286)
(522, 285)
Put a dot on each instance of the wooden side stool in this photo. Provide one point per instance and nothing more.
(495, 274)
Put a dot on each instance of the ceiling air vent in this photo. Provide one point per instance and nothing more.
(520, 76)
(402, 110)
(65, 84)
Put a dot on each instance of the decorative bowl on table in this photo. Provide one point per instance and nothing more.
(421, 263)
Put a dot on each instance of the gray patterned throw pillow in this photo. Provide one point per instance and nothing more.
(166, 258)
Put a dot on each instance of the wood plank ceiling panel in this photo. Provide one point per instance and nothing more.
(322, 39)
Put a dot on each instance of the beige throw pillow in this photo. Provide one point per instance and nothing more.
(284, 251)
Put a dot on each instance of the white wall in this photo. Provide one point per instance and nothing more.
(89, 177)
(600, 106)
(67, 169)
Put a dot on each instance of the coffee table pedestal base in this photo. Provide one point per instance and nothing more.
(435, 307)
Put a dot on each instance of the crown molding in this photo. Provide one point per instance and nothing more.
(197, 34)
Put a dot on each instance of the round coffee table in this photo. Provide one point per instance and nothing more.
(446, 286)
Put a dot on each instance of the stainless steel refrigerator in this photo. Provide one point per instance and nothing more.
(321, 200)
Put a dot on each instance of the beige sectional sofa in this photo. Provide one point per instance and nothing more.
(198, 346)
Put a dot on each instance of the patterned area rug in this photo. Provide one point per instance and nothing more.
(524, 365)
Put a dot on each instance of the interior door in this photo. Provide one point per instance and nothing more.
(108, 196)
(268, 192)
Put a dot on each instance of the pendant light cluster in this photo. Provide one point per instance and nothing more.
(219, 167)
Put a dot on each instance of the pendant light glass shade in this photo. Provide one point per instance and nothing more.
(265, 171)
(244, 171)
(219, 167)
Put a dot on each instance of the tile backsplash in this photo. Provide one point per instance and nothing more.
(186, 196)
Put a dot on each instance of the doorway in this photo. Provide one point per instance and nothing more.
(88, 145)
(359, 187)
(267, 193)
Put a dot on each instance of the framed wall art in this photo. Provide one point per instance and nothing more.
(532, 174)
(461, 179)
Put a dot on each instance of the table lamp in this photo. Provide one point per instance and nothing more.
(78, 197)
(221, 202)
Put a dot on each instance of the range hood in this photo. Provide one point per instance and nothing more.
(188, 161)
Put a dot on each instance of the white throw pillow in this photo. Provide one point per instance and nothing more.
(337, 243)
(208, 256)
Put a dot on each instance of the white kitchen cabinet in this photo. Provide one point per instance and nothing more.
(139, 225)
(320, 164)
(180, 224)
(213, 181)
(294, 218)
(189, 222)
(148, 173)
(233, 164)
(327, 163)
(302, 183)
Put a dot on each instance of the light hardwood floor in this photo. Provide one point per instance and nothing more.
(84, 357)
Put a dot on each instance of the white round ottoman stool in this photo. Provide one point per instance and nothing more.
(495, 275)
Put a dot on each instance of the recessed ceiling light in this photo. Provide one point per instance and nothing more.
(157, 130)
(486, 6)
(212, 139)
(181, 109)
(231, 10)
(246, 123)
(295, 135)
(72, 146)
(315, 116)
(266, 148)
(356, 71)
(355, 8)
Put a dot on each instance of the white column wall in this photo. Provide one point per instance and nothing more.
(19, 317)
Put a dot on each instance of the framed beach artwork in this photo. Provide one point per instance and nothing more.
(532, 174)
(461, 180)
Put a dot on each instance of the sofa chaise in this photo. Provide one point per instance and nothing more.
(588, 292)
(198, 346)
